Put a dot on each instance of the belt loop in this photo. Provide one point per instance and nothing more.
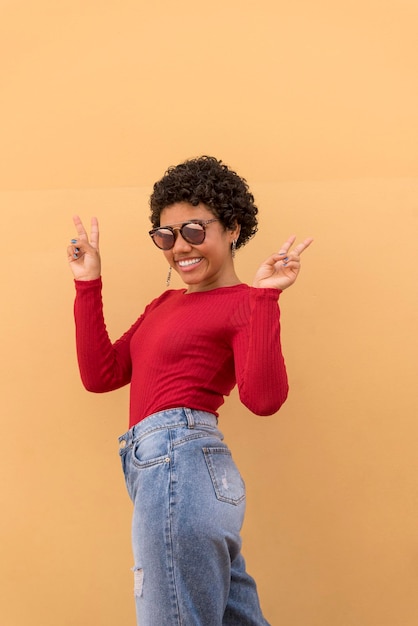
(189, 417)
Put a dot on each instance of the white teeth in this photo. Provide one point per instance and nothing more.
(188, 262)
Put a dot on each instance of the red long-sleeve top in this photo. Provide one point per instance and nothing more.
(186, 350)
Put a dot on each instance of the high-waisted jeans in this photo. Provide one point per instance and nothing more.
(189, 502)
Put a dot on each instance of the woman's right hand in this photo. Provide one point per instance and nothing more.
(83, 254)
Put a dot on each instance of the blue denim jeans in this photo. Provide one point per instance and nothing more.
(189, 502)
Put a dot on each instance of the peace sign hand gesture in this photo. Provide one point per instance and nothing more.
(83, 254)
(280, 270)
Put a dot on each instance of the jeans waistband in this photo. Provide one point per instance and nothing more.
(170, 418)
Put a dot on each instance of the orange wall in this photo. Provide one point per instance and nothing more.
(315, 104)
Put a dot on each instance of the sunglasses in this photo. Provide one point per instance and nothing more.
(194, 233)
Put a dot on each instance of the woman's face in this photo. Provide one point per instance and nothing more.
(205, 266)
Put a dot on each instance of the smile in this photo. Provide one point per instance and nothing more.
(188, 262)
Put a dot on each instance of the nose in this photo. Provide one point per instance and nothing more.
(180, 244)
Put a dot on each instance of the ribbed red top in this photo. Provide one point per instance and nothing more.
(186, 350)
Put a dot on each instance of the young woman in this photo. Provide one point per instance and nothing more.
(181, 357)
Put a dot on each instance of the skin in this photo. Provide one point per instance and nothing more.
(214, 265)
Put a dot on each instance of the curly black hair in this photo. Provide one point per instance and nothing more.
(208, 181)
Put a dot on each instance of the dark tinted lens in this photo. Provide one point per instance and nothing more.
(163, 238)
(193, 233)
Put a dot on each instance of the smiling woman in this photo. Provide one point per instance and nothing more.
(206, 263)
(181, 357)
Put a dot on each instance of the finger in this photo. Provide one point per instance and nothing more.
(81, 231)
(74, 253)
(76, 257)
(289, 261)
(284, 248)
(273, 259)
(94, 233)
(302, 246)
(292, 264)
(70, 253)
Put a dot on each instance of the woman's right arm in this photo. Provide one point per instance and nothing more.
(103, 366)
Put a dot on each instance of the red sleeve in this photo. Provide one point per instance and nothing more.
(104, 366)
(259, 365)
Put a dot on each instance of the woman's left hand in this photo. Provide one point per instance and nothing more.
(281, 269)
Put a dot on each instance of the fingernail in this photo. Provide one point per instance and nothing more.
(75, 255)
(73, 240)
(76, 249)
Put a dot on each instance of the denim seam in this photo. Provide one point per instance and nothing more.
(153, 429)
(193, 437)
(170, 546)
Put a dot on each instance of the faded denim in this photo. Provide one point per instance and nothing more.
(189, 503)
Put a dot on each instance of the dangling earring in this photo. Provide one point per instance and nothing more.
(169, 276)
(234, 248)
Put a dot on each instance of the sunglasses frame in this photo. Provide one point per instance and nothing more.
(202, 223)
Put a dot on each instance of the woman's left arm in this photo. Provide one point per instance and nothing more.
(281, 269)
(259, 364)
(260, 368)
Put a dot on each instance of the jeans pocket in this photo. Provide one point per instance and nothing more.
(151, 450)
(226, 479)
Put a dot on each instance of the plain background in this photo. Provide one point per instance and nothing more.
(315, 104)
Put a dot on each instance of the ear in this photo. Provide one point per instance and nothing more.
(235, 231)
